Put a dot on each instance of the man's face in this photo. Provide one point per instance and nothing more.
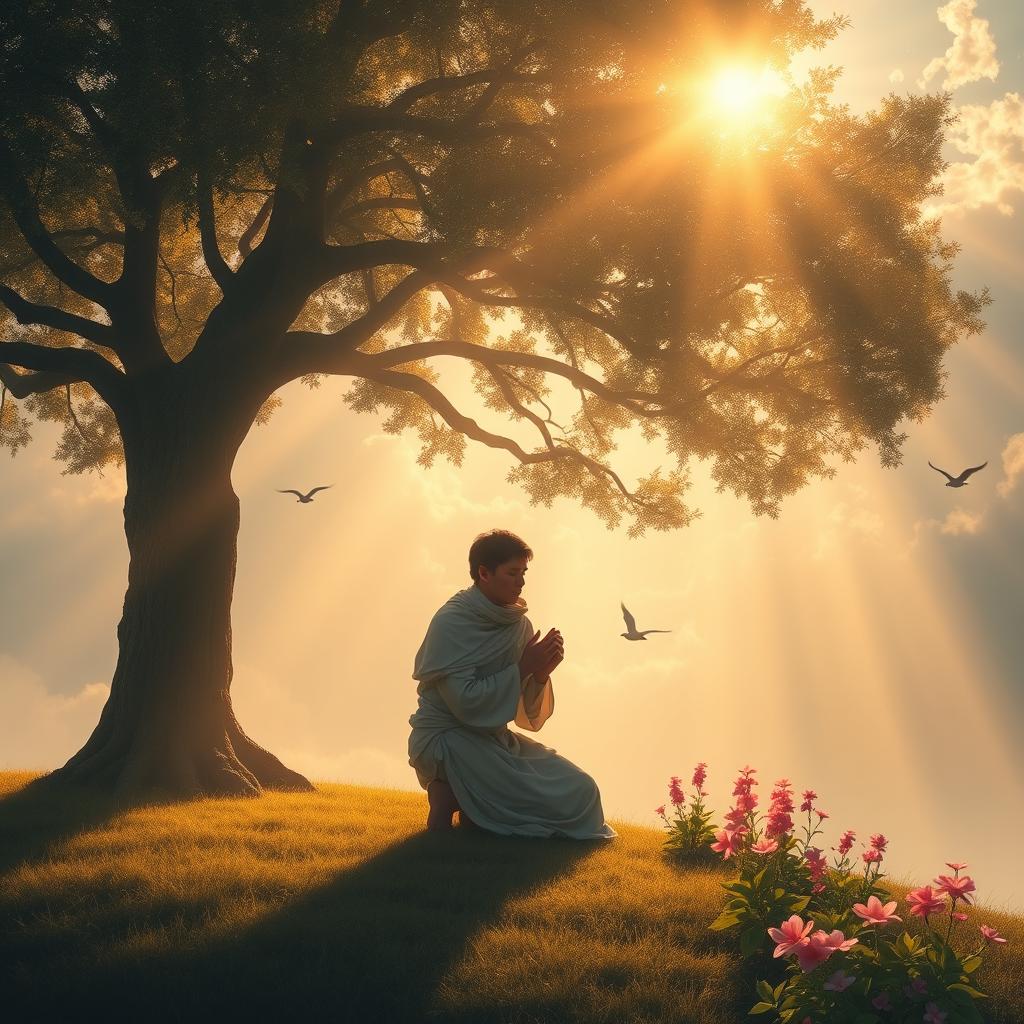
(504, 585)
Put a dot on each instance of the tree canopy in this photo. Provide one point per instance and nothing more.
(269, 192)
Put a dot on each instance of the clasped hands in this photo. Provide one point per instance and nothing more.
(541, 657)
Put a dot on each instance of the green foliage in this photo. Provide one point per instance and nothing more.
(555, 176)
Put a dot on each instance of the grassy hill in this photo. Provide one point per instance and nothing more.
(338, 905)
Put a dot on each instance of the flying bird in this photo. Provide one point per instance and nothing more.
(961, 480)
(631, 626)
(305, 498)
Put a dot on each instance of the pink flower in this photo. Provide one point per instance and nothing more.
(660, 810)
(736, 817)
(675, 791)
(815, 862)
(727, 841)
(793, 933)
(933, 1015)
(835, 940)
(956, 888)
(917, 987)
(878, 841)
(845, 842)
(923, 901)
(699, 775)
(881, 1001)
(809, 796)
(822, 815)
(956, 865)
(765, 845)
(815, 951)
(839, 982)
(991, 935)
(957, 916)
(874, 912)
(871, 854)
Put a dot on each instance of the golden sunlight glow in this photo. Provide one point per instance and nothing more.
(739, 92)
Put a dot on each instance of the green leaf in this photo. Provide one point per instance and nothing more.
(761, 1008)
(723, 921)
(800, 904)
(764, 990)
(972, 992)
(971, 964)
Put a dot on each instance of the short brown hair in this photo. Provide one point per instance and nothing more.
(493, 548)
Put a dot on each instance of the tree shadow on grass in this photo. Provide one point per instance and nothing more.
(38, 816)
(371, 945)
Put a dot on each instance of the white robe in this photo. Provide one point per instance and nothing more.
(469, 690)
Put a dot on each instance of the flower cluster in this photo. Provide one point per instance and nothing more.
(789, 897)
(689, 829)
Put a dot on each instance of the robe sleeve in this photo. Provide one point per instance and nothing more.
(484, 702)
(536, 704)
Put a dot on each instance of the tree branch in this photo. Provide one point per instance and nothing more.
(21, 385)
(26, 215)
(362, 365)
(70, 364)
(488, 76)
(215, 262)
(26, 312)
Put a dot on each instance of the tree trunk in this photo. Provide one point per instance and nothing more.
(168, 728)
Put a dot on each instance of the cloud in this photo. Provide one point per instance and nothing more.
(994, 136)
(40, 729)
(1013, 464)
(896, 75)
(960, 521)
(972, 55)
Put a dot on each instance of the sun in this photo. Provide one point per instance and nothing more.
(740, 93)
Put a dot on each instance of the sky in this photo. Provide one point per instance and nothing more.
(867, 644)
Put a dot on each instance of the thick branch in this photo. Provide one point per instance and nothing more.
(453, 83)
(249, 234)
(21, 385)
(218, 267)
(495, 358)
(26, 312)
(26, 215)
(362, 365)
(70, 364)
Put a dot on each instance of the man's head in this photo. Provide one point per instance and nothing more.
(497, 563)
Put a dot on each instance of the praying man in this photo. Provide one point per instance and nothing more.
(481, 666)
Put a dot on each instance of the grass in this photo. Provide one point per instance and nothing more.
(338, 905)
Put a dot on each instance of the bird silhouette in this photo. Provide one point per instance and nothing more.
(631, 626)
(961, 480)
(305, 498)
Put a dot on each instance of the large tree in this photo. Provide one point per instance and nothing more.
(206, 201)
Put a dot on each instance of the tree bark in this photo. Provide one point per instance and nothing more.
(168, 728)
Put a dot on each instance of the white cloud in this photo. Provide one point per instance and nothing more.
(40, 729)
(896, 75)
(1013, 464)
(994, 136)
(972, 55)
(960, 521)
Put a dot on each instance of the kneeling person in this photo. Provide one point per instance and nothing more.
(481, 666)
